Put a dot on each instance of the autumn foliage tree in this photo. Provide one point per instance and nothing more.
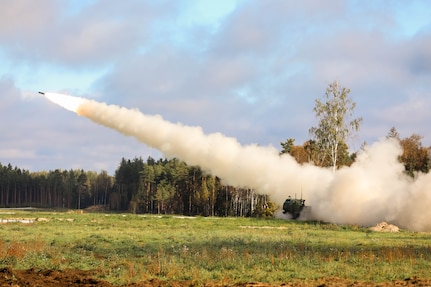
(299, 153)
(415, 157)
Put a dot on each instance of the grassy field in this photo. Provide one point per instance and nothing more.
(127, 248)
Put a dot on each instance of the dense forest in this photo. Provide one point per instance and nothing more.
(162, 186)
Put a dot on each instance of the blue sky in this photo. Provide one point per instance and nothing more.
(248, 69)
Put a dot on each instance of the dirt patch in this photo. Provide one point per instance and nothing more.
(385, 227)
(48, 278)
(79, 278)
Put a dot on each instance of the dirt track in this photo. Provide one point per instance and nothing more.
(51, 278)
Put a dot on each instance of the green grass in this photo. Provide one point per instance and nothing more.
(126, 248)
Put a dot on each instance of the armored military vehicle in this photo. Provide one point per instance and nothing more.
(293, 207)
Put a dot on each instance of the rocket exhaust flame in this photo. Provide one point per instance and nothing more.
(373, 189)
(68, 102)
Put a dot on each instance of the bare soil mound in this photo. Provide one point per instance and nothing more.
(385, 227)
(51, 278)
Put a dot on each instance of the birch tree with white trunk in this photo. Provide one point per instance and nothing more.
(336, 123)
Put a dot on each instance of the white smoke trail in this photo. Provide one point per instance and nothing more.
(371, 190)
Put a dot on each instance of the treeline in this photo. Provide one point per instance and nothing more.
(53, 189)
(169, 186)
(162, 186)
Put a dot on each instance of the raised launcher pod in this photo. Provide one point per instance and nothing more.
(294, 207)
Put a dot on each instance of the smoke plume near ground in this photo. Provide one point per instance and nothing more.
(373, 189)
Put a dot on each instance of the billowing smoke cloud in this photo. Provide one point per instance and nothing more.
(371, 190)
(375, 188)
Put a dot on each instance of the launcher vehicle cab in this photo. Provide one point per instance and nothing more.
(293, 207)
